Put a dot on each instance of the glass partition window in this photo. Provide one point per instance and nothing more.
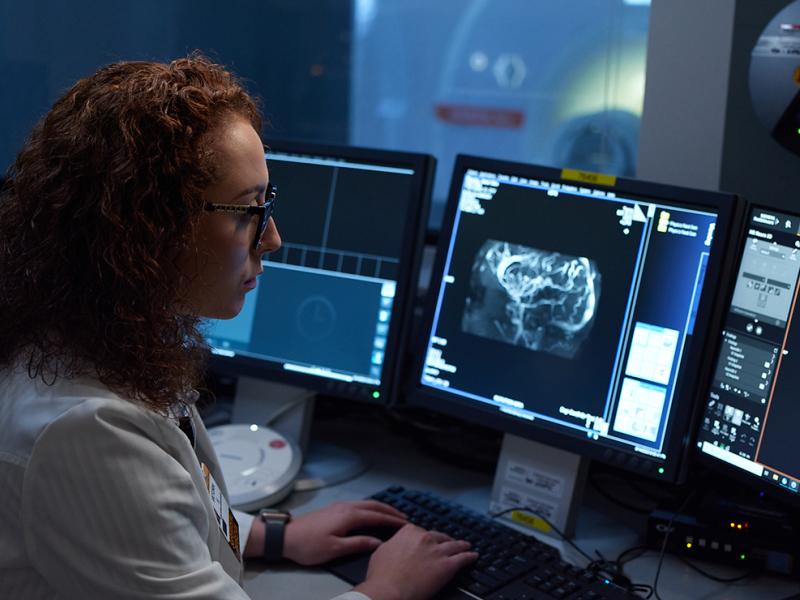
(553, 83)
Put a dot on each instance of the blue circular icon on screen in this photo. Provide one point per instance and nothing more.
(316, 318)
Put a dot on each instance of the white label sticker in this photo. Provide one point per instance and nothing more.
(510, 498)
(538, 481)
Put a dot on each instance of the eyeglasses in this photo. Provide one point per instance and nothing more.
(264, 211)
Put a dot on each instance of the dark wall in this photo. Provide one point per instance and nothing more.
(294, 54)
(753, 164)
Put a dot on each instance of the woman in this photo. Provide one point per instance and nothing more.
(139, 205)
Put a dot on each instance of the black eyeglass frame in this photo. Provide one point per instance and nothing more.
(264, 211)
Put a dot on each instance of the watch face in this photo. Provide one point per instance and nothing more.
(275, 515)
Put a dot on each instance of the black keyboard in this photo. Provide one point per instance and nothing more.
(512, 565)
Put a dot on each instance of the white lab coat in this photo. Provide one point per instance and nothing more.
(103, 498)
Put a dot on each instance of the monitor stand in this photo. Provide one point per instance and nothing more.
(288, 410)
(545, 480)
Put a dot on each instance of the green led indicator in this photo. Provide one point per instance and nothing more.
(741, 557)
(376, 394)
(798, 131)
(660, 470)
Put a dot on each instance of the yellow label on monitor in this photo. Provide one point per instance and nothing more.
(529, 520)
(588, 177)
(663, 222)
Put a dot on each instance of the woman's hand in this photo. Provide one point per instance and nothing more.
(320, 536)
(414, 564)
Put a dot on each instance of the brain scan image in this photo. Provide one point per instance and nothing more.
(539, 299)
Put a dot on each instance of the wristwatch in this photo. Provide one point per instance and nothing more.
(275, 522)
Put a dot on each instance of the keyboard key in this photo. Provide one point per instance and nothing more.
(490, 582)
(514, 569)
(497, 573)
(476, 587)
(547, 586)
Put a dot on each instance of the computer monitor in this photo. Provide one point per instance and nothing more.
(749, 424)
(573, 309)
(331, 309)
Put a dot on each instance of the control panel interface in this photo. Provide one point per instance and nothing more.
(752, 412)
(569, 305)
(325, 302)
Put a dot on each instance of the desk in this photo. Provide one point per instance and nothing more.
(396, 459)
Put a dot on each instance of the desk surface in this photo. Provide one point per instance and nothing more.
(395, 459)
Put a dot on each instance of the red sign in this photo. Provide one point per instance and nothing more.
(480, 116)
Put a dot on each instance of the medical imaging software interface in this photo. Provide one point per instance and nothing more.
(324, 304)
(752, 415)
(568, 305)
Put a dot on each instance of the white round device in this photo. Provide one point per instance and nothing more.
(259, 464)
(775, 77)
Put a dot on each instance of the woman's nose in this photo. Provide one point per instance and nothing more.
(271, 241)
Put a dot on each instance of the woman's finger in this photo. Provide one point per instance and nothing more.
(379, 507)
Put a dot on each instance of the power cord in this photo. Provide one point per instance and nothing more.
(549, 523)
(667, 533)
(610, 570)
(713, 577)
(637, 552)
(613, 570)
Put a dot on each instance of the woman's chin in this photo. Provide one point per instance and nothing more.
(224, 312)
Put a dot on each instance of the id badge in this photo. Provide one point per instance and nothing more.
(225, 519)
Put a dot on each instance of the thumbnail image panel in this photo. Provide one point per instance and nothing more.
(640, 408)
(766, 281)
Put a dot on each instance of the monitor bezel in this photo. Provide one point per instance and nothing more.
(677, 448)
(424, 166)
(715, 465)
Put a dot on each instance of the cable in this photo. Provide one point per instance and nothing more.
(549, 523)
(667, 533)
(614, 569)
(640, 550)
(713, 577)
(611, 570)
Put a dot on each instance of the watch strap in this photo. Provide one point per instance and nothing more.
(274, 530)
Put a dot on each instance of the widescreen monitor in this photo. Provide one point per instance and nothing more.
(331, 309)
(573, 309)
(749, 425)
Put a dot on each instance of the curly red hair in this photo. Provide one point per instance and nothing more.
(99, 204)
